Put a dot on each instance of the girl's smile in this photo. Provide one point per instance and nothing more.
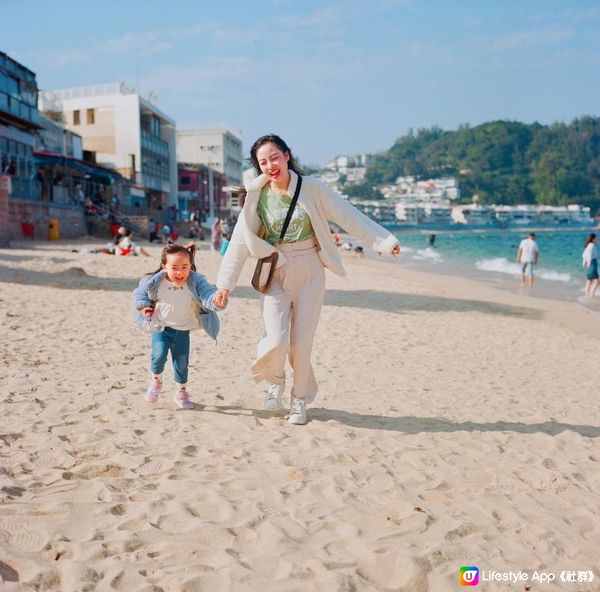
(178, 268)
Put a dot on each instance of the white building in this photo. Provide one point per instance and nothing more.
(126, 131)
(474, 215)
(345, 162)
(219, 148)
(427, 213)
(408, 188)
(409, 213)
(381, 210)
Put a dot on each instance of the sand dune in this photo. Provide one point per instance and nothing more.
(456, 425)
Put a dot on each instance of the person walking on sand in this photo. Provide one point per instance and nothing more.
(215, 235)
(180, 299)
(590, 262)
(292, 304)
(527, 257)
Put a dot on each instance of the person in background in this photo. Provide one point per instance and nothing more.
(79, 195)
(590, 262)
(215, 235)
(225, 237)
(126, 246)
(152, 236)
(432, 240)
(166, 231)
(527, 257)
(291, 306)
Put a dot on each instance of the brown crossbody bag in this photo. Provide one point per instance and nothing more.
(265, 266)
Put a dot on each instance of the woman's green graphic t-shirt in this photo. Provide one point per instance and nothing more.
(272, 210)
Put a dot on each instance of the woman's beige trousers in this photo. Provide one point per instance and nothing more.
(291, 310)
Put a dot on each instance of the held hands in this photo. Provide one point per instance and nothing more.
(147, 310)
(221, 298)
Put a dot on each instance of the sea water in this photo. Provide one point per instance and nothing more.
(491, 255)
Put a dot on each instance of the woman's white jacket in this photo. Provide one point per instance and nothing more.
(322, 205)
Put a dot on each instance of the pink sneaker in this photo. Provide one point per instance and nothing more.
(182, 398)
(154, 389)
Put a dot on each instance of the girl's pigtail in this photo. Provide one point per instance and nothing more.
(191, 247)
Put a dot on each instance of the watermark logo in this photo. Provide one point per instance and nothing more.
(469, 575)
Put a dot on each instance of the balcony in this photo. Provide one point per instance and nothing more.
(155, 144)
(16, 112)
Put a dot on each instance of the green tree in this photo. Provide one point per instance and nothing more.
(502, 161)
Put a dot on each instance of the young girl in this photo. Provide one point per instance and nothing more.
(179, 298)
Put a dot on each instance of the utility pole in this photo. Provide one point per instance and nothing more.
(211, 195)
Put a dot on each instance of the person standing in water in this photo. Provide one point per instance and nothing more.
(527, 256)
(590, 262)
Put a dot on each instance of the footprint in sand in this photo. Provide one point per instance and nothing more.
(177, 522)
(15, 532)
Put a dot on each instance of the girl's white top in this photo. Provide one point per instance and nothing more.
(175, 306)
(589, 253)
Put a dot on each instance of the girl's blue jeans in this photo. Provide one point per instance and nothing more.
(178, 343)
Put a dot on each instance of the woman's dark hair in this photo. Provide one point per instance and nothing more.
(171, 249)
(589, 239)
(274, 139)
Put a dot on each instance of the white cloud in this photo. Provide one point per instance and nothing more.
(68, 57)
(533, 38)
(143, 44)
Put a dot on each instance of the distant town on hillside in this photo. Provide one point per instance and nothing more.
(496, 174)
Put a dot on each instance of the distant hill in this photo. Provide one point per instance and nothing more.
(503, 161)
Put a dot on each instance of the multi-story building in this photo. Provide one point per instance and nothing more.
(219, 148)
(55, 138)
(202, 191)
(345, 163)
(126, 132)
(383, 211)
(474, 215)
(409, 188)
(19, 121)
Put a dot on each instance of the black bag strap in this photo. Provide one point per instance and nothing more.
(288, 218)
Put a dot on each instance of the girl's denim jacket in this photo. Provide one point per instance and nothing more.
(203, 293)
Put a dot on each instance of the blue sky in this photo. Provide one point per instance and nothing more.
(330, 77)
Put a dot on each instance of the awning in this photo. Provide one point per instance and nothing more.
(51, 159)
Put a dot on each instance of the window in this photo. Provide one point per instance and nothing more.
(90, 116)
(76, 117)
(13, 87)
(186, 181)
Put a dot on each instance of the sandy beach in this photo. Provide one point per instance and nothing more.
(457, 425)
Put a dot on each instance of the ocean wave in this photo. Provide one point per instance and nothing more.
(428, 253)
(554, 276)
(503, 265)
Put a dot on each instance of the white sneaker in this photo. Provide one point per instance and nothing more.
(297, 412)
(273, 396)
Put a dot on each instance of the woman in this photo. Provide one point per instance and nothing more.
(215, 235)
(292, 305)
(590, 262)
